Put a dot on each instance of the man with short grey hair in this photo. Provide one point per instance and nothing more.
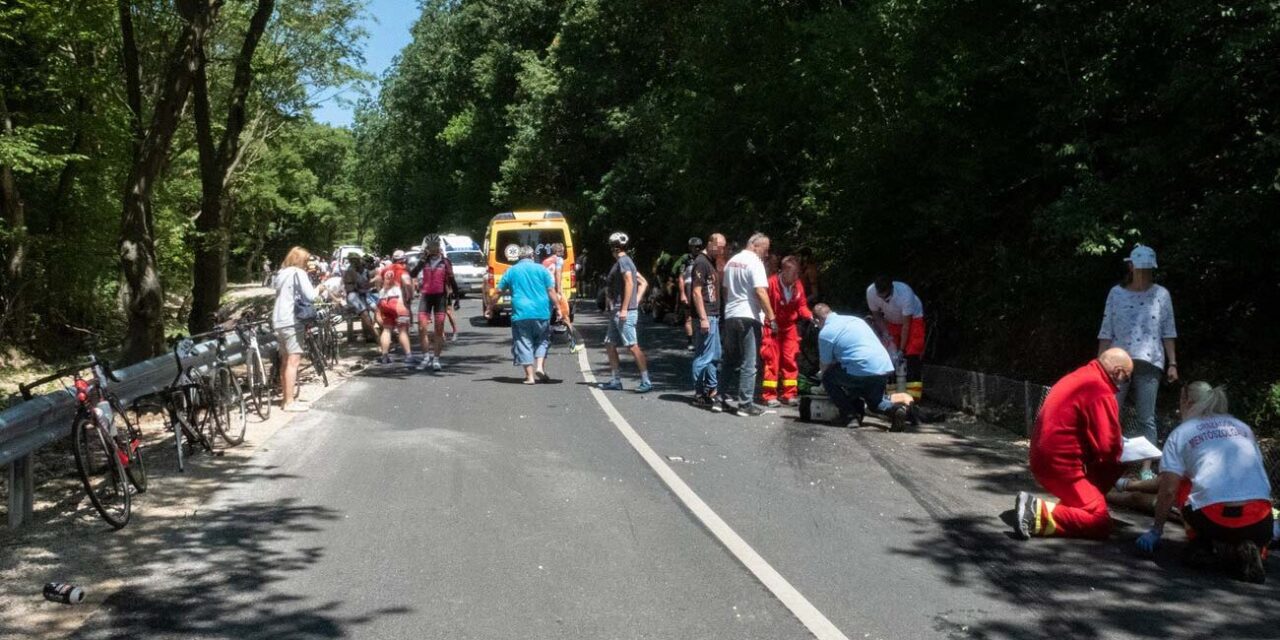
(746, 310)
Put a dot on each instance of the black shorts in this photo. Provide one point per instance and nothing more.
(433, 304)
(1259, 532)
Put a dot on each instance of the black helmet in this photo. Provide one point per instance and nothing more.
(695, 244)
(619, 240)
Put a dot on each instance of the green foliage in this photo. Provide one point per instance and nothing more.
(999, 156)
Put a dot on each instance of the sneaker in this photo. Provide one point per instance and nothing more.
(688, 347)
(701, 400)
(645, 387)
(717, 403)
(773, 403)
(577, 348)
(423, 364)
(453, 337)
(1026, 511)
(612, 385)
(384, 359)
(748, 410)
(791, 402)
(296, 407)
(1247, 561)
(435, 365)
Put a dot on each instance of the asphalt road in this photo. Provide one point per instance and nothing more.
(466, 505)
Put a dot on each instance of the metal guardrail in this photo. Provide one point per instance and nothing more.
(41, 421)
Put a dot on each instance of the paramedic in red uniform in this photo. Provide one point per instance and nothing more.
(779, 349)
(1075, 452)
(897, 310)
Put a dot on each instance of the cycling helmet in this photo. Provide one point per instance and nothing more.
(429, 241)
(695, 244)
(397, 256)
(619, 240)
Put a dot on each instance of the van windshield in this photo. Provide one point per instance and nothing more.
(467, 258)
(509, 241)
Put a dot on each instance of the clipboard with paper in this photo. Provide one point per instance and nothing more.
(1138, 450)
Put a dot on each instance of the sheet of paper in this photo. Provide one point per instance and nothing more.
(1138, 449)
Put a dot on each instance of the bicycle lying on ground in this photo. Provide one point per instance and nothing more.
(107, 446)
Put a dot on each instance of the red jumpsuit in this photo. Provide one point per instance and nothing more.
(779, 350)
(1075, 452)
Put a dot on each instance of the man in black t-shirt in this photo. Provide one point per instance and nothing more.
(705, 307)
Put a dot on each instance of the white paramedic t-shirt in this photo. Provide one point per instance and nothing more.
(1220, 457)
(901, 304)
(743, 274)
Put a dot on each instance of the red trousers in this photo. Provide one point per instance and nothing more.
(779, 351)
(1082, 508)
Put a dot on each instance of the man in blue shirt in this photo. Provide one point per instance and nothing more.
(855, 366)
(532, 296)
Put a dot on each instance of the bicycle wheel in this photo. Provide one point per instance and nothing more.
(132, 441)
(176, 419)
(100, 471)
(231, 399)
(258, 386)
(317, 359)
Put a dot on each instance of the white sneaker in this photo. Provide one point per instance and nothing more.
(424, 363)
(296, 407)
(435, 365)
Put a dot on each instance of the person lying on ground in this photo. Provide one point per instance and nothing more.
(1075, 452)
(1212, 468)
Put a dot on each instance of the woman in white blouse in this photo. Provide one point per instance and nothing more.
(1139, 319)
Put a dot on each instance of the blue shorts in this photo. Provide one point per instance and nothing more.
(622, 334)
(360, 302)
(529, 340)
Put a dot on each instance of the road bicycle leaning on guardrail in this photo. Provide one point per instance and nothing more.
(107, 446)
(225, 398)
(259, 386)
(182, 404)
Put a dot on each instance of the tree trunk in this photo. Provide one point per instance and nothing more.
(144, 293)
(216, 165)
(15, 219)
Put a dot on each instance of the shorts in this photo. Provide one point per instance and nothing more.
(360, 302)
(529, 340)
(622, 333)
(392, 312)
(432, 304)
(288, 342)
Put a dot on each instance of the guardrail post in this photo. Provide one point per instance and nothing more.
(21, 491)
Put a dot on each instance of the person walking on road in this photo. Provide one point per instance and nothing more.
(1075, 452)
(746, 311)
(704, 305)
(1139, 319)
(267, 280)
(853, 365)
(626, 286)
(291, 284)
(392, 310)
(780, 348)
(897, 311)
(435, 276)
(1211, 469)
(533, 294)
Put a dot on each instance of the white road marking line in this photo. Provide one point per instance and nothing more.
(792, 599)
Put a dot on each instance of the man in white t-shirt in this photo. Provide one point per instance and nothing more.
(1212, 468)
(898, 312)
(746, 307)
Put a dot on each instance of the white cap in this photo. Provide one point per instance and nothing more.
(1142, 257)
(399, 255)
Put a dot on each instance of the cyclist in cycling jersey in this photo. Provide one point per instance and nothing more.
(435, 281)
(393, 281)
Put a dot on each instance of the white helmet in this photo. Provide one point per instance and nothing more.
(619, 240)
